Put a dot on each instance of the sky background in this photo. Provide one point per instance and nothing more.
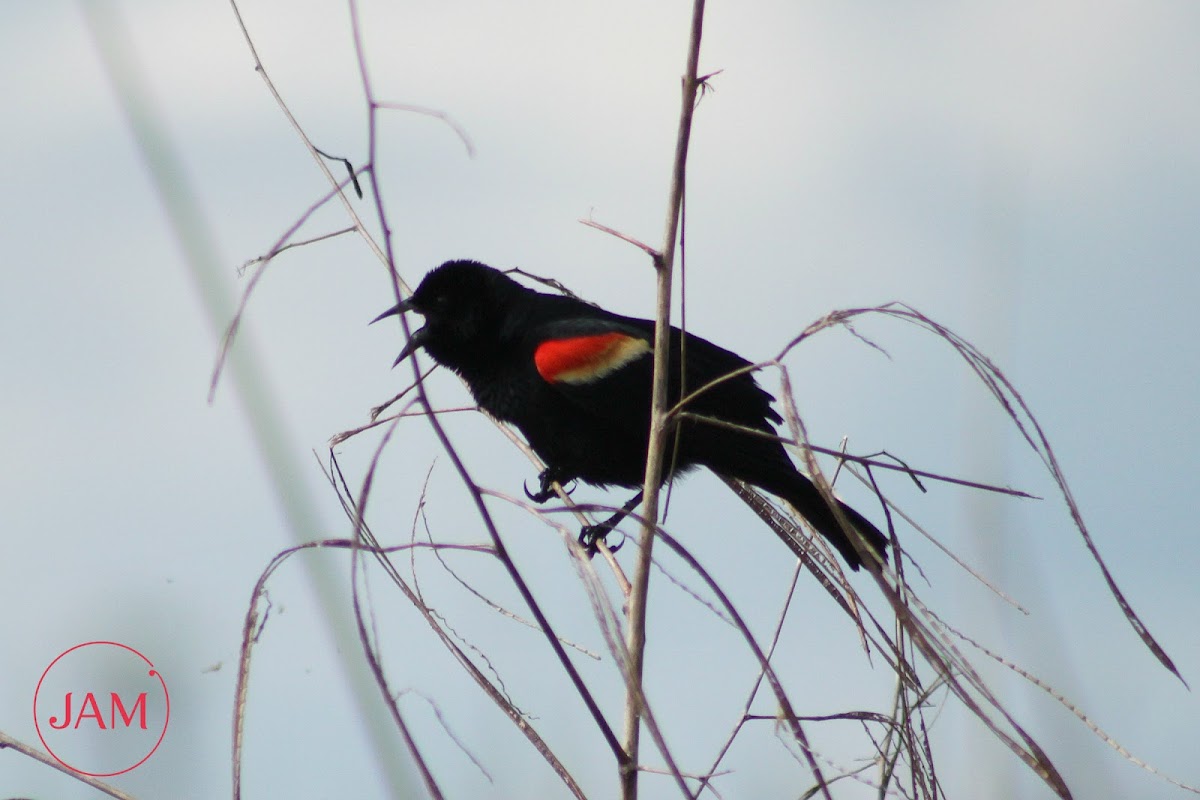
(1027, 174)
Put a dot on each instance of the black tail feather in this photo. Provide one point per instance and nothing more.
(808, 501)
(811, 504)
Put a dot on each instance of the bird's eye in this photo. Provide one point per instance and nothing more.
(431, 303)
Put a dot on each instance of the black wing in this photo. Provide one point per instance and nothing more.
(603, 363)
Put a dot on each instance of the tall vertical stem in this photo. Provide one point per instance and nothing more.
(636, 634)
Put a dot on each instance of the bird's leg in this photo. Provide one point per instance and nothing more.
(546, 480)
(594, 533)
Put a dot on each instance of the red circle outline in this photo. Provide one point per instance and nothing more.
(153, 673)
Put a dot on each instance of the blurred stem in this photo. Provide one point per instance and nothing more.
(191, 229)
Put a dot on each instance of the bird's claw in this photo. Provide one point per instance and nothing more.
(592, 534)
(546, 481)
(541, 496)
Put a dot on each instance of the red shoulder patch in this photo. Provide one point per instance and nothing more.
(582, 359)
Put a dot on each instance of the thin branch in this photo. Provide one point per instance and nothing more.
(316, 156)
(252, 628)
(9, 742)
(787, 714)
(492, 604)
(338, 438)
(459, 130)
(231, 330)
(277, 250)
(373, 658)
(745, 715)
(454, 737)
(647, 249)
(495, 695)
(932, 642)
(1079, 714)
(472, 487)
(1018, 411)
(656, 450)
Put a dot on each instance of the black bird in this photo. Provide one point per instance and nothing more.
(575, 379)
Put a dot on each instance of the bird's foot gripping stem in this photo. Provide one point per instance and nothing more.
(546, 480)
(591, 535)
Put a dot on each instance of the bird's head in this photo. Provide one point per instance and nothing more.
(463, 303)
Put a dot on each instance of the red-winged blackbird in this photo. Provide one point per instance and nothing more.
(575, 379)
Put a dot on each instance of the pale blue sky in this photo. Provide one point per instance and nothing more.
(1026, 174)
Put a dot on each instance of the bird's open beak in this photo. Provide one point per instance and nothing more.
(416, 340)
(399, 308)
(418, 336)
